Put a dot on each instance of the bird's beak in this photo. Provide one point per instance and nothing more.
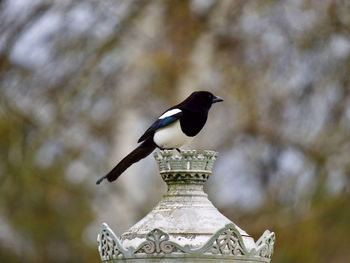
(217, 99)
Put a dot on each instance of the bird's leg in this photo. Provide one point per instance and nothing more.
(178, 149)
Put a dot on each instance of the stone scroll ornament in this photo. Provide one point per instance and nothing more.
(227, 242)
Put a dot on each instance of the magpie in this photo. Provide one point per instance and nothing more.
(174, 128)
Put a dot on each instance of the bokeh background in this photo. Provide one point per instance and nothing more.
(81, 80)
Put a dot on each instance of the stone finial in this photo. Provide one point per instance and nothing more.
(189, 167)
(184, 226)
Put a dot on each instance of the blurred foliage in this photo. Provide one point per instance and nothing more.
(81, 80)
(317, 236)
(48, 215)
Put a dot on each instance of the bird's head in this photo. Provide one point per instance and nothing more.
(202, 100)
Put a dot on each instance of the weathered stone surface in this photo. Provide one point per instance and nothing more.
(184, 225)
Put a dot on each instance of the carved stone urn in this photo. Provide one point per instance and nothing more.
(184, 226)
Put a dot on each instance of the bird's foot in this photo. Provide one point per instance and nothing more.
(179, 151)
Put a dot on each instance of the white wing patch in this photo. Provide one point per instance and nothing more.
(171, 136)
(169, 113)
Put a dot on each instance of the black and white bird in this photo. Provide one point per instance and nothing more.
(174, 128)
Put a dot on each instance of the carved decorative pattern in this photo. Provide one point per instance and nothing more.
(157, 242)
(189, 160)
(109, 245)
(265, 244)
(190, 167)
(226, 242)
(177, 176)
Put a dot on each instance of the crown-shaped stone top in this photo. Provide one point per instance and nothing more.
(188, 167)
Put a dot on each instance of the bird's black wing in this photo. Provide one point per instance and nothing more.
(165, 119)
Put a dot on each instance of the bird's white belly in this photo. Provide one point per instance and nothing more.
(171, 136)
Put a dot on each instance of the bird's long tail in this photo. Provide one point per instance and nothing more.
(136, 155)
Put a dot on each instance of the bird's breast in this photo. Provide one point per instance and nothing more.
(171, 136)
